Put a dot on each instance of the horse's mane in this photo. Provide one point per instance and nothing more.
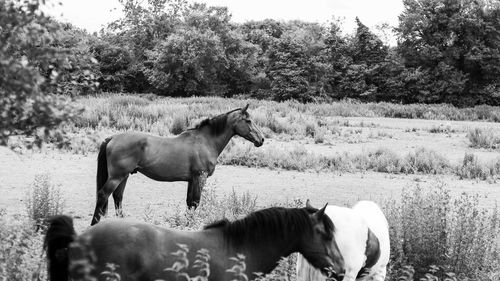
(217, 123)
(275, 222)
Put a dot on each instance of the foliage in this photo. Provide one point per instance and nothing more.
(39, 58)
(452, 47)
(447, 52)
(20, 251)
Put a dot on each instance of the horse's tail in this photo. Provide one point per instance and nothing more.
(59, 235)
(102, 170)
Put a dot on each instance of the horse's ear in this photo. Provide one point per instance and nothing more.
(308, 204)
(320, 213)
(245, 108)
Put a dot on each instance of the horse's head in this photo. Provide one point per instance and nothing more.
(246, 128)
(319, 247)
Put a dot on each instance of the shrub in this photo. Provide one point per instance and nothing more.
(44, 201)
(385, 160)
(426, 161)
(20, 251)
(471, 168)
(483, 138)
(428, 227)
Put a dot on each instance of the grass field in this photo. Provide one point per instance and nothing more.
(337, 153)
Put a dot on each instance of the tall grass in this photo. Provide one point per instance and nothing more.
(347, 108)
(158, 114)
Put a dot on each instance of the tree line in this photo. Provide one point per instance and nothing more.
(448, 51)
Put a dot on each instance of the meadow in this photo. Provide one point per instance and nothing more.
(433, 168)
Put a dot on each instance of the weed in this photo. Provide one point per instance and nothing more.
(43, 201)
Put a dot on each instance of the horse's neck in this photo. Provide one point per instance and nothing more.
(219, 141)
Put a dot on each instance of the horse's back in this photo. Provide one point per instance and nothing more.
(160, 158)
(135, 247)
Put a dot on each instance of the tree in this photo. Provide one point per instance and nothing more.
(297, 63)
(33, 68)
(455, 46)
(205, 55)
(144, 26)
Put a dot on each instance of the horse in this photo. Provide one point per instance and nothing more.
(191, 156)
(362, 235)
(223, 250)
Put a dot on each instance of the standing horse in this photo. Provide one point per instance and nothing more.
(141, 251)
(362, 235)
(190, 156)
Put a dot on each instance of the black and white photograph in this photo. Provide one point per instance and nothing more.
(266, 140)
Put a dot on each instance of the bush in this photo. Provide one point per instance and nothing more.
(426, 161)
(471, 168)
(428, 227)
(385, 160)
(44, 201)
(483, 138)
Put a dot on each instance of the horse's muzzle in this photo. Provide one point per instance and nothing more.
(258, 143)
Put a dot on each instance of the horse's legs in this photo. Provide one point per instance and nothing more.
(195, 186)
(103, 195)
(118, 197)
(189, 196)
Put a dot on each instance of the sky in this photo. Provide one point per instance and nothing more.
(94, 14)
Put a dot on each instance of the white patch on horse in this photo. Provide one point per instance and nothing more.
(362, 236)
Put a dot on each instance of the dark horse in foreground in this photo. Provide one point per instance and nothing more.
(141, 251)
(190, 156)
